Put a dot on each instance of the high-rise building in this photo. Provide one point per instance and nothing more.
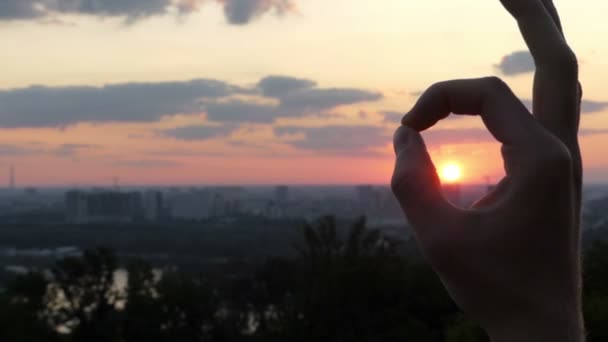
(11, 178)
(282, 199)
(82, 207)
(190, 205)
(76, 207)
(282, 194)
(153, 205)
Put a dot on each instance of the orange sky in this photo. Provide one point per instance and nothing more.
(157, 96)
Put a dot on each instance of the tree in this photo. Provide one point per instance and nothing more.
(82, 297)
(20, 308)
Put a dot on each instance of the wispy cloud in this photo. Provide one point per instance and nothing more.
(199, 133)
(516, 63)
(340, 140)
(237, 12)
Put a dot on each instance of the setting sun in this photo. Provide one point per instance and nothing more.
(451, 172)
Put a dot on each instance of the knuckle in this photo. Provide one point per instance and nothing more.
(494, 83)
(555, 160)
(436, 88)
(402, 184)
(565, 61)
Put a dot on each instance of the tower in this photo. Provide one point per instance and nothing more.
(11, 178)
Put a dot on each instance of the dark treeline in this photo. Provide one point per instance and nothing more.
(336, 287)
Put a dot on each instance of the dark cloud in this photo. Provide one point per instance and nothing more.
(278, 86)
(242, 112)
(343, 140)
(392, 117)
(395, 118)
(585, 132)
(516, 63)
(193, 133)
(237, 12)
(131, 9)
(240, 12)
(296, 98)
(19, 9)
(314, 100)
(587, 106)
(40, 106)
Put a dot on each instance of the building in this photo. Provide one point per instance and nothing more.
(76, 206)
(11, 180)
(369, 200)
(95, 207)
(190, 205)
(282, 199)
(153, 206)
(453, 193)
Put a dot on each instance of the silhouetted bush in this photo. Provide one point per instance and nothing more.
(338, 287)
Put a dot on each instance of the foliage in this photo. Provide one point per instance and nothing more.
(338, 287)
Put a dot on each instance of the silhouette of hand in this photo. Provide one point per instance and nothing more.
(512, 261)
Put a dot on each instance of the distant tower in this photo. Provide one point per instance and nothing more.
(489, 186)
(11, 178)
(116, 183)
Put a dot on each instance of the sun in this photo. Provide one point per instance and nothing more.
(451, 172)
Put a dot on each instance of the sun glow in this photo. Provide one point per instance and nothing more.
(451, 172)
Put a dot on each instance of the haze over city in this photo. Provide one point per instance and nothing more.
(277, 92)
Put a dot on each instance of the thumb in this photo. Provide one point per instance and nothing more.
(416, 184)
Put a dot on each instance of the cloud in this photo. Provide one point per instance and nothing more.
(278, 86)
(243, 112)
(147, 163)
(19, 9)
(294, 97)
(40, 106)
(240, 12)
(131, 9)
(392, 117)
(67, 150)
(587, 106)
(342, 140)
(237, 12)
(58, 107)
(585, 132)
(516, 63)
(193, 133)
(14, 150)
(314, 100)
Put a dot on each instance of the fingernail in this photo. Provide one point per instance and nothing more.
(402, 138)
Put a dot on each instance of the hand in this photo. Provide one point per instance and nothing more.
(512, 261)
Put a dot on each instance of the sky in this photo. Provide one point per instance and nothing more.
(262, 91)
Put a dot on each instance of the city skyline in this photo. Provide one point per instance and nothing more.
(278, 92)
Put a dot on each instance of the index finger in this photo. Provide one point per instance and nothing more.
(504, 115)
(556, 99)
